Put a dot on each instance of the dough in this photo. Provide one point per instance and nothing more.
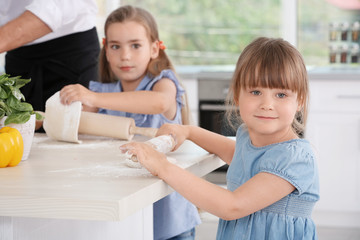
(132, 164)
(164, 144)
(62, 121)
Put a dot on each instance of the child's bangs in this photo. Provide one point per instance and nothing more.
(269, 75)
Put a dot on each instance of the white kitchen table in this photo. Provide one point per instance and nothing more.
(85, 191)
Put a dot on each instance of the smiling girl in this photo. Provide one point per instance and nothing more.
(137, 80)
(272, 180)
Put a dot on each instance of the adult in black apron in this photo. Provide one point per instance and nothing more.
(53, 64)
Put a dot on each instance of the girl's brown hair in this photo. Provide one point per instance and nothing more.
(143, 17)
(270, 63)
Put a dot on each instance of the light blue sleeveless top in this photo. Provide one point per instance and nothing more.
(173, 214)
(290, 217)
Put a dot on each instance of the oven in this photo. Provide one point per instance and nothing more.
(212, 91)
(212, 94)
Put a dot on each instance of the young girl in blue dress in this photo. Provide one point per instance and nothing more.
(272, 180)
(137, 80)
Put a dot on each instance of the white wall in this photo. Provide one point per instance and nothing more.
(2, 62)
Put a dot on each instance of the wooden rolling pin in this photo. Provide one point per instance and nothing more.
(111, 126)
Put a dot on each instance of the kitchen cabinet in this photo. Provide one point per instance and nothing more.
(334, 130)
(85, 191)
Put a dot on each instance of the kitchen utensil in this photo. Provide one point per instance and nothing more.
(65, 122)
(111, 126)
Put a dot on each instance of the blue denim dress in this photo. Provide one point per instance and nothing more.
(173, 214)
(290, 217)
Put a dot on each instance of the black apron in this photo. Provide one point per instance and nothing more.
(53, 64)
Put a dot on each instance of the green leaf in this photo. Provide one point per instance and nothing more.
(11, 104)
(18, 118)
(14, 103)
(3, 94)
(19, 82)
(39, 116)
(7, 90)
(2, 113)
(17, 93)
(3, 78)
(5, 108)
(24, 107)
(9, 82)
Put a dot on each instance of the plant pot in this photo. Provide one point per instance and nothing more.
(27, 131)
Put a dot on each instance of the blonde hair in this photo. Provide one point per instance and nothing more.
(270, 63)
(155, 66)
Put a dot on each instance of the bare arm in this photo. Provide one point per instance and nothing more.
(24, 29)
(213, 142)
(144, 102)
(259, 192)
(162, 99)
(210, 141)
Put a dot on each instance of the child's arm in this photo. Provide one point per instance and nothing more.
(162, 99)
(259, 192)
(210, 141)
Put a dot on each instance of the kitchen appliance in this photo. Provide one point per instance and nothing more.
(212, 95)
(213, 88)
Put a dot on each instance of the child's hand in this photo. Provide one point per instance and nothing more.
(75, 92)
(154, 161)
(179, 132)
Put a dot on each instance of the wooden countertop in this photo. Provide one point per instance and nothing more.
(87, 181)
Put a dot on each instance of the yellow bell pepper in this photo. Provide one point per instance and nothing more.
(11, 147)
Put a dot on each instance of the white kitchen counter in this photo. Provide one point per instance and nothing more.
(86, 182)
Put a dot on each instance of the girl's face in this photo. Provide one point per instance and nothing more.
(129, 52)
(268, 114)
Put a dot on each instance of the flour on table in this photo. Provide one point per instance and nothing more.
(87, 141)
(133, 164)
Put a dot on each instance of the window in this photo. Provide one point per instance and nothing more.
(211, 32)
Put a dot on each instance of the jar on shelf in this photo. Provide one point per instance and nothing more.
(333, 30)
(344, 28)
(332, 53)
(354, 53)
(343, 49)
(355, 31)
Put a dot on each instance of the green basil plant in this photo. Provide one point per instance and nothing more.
(12, 101)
